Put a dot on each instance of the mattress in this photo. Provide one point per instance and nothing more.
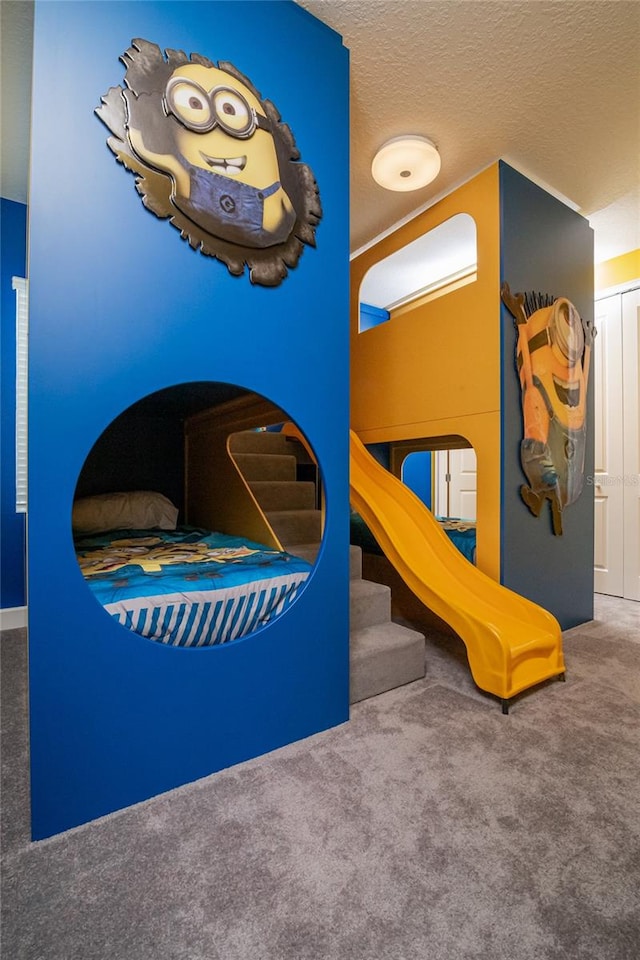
(462, 534)
(189, 587)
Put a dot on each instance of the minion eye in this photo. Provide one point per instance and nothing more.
(189, 103)
(232, 110)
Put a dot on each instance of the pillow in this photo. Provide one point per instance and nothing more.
(137, 510)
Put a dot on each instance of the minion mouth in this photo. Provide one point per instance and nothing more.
(228, 167)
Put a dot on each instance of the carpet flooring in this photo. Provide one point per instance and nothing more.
(428, 827)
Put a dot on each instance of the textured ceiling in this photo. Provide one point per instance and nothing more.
(550, 86)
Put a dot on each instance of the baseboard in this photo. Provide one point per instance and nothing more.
(12, 618)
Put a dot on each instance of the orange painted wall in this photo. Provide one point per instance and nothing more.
(435, 370)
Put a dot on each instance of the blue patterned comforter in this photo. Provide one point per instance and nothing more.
(189, 587)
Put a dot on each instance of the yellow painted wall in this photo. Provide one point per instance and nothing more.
(618, 270)
(435, 369)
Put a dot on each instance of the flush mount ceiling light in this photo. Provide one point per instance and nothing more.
(406, 163)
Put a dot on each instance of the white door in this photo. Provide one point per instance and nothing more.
(463, 486)
(609, 492)
(441, 482)
(456, 483)
(617, 446)
(630, 375)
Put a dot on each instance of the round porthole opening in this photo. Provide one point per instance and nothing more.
(197, 516)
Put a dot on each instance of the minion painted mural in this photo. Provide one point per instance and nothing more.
(553, 354)
(214, 158)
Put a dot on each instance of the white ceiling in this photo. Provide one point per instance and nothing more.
(550, 86)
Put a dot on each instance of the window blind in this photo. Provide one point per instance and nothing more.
(21, 287)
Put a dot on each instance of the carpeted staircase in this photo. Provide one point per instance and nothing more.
(383, 654)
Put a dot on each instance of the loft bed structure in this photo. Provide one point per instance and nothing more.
(442, 365)
(124, 306)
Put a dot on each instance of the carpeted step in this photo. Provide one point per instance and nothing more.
(266, 466)
(383, 654)
(284, 494)
(369, 604)
(260, 441)
(296, 526)
(309, 552)
(383, 657)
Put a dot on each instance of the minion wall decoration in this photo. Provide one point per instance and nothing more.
(553, 354)
(214, 158)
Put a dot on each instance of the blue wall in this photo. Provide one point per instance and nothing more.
(416, 474)
(371, 316)
(12, 527)
(121, 307)
(546, 248)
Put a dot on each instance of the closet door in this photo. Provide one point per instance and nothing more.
(442, 477)
(463, 485)
(631, 365)
(609, 463)
(456, 483)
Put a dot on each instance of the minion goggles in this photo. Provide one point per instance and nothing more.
(201, 111)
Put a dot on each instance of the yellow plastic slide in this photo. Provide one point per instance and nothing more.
(512, 643)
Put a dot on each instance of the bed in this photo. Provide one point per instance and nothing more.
(179, 585)
(462, 534)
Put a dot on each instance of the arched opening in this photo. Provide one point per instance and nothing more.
(178, 534)
(443, 473)
(436, 263)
